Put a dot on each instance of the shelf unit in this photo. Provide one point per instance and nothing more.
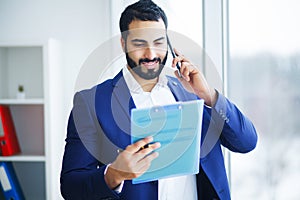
(21, 101)
(37, 118)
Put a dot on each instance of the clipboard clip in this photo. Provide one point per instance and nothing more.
(157, 109)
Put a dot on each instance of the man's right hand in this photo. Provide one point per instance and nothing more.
(132, 162)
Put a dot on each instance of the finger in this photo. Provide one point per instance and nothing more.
(177, 52)
(181, 56)
(145, 151)
(146, 162)
(176, 60)
(178, 76)
(149, 148)
(179, 59)
(185, 71)
(138, 145)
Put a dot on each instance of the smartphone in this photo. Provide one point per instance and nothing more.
(174, 55)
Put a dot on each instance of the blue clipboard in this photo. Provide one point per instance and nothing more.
(178, 128)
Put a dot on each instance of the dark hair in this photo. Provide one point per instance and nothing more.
(145, 10)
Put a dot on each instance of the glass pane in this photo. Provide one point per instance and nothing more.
(264, 81)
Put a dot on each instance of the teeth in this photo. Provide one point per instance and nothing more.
(149, 63)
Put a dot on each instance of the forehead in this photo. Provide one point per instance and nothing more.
(147, 30)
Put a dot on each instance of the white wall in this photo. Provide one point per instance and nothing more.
(79, 25)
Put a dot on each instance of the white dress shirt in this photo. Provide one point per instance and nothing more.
(182, 187)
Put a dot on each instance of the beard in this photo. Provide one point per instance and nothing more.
(150, 73)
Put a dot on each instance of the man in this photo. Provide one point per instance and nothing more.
(99, 123)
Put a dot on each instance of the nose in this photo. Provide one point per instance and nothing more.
(150, 53)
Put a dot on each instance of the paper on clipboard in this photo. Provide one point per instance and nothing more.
(178, 128)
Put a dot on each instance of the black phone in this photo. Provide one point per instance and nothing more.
(174, 55)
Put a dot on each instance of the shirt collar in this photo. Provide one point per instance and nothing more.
(135, 87)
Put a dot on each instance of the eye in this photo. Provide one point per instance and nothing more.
(139, 44)
(158, 43)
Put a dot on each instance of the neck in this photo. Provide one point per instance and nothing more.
(147, 85)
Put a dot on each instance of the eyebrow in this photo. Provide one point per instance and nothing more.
(139, 40)
(161, 38)
(144, 41)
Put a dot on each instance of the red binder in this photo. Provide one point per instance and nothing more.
(9, 144)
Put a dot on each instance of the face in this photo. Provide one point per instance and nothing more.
(146, 48)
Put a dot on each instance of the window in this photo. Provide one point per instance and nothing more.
(264, 81)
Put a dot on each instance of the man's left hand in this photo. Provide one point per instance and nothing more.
(193, 80)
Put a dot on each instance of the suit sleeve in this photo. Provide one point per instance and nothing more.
(237, 131)
(82, 175)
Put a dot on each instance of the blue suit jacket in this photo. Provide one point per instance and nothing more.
(99, 125)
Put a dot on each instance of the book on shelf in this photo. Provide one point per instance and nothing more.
(9, 144)
(10, 186)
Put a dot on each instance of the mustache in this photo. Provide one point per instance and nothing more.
(148, 60)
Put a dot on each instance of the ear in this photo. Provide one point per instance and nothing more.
(123, 44)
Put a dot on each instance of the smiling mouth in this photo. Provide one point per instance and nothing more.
(150, 65)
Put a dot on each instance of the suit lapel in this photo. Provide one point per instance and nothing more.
(178, 91)
(121, 95)
(121, 105)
